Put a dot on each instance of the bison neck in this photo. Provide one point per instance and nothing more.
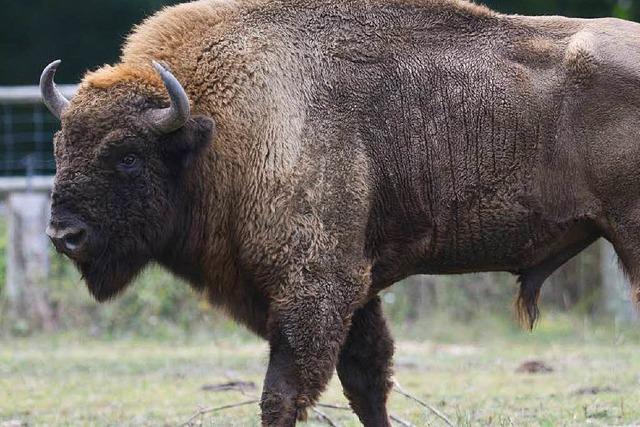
(200, 250)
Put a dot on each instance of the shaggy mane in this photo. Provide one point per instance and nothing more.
(175, 28)
(109, 75)
(169, 31)
(465, 6)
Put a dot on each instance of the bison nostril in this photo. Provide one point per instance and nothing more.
(74, 239)
(68, 241)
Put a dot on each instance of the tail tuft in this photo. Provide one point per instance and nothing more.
(527, 303)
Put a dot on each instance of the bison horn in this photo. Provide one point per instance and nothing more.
(51, 96)
(165, 120)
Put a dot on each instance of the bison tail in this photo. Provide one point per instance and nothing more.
(527, 303)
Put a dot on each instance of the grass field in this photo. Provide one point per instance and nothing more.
(80, 381)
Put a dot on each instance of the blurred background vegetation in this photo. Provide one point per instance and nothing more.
(86, 34)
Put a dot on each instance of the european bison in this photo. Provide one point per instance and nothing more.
(291, 159)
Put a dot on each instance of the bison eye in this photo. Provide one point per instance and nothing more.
(129, 162)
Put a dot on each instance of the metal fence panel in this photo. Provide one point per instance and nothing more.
(26, 131)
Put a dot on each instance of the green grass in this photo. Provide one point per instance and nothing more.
(76, 380)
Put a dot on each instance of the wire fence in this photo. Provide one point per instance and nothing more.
(26, 131)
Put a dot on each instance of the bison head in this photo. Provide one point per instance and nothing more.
(123, 156)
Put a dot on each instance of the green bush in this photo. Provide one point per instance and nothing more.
(156, 303)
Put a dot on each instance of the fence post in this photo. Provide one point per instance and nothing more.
(28, 261)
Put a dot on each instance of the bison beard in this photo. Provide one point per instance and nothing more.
(108, 275)
(104, 282)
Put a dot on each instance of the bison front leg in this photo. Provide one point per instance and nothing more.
(364, 365)
(281, 401)
(307, 328)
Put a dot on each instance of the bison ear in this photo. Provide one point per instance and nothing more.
(192, 139)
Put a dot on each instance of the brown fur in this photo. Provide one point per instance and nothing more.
(337, 147)
(107, 76)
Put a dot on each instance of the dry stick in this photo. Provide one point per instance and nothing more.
(401, 421)
(324, 416)
(347, 408)
(201, 412)
(330, 406)
(439, 414)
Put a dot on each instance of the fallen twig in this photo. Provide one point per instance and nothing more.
(347, 408)
(324, 416)
(400, 421)
(201, 412)
(330, 406)
(240, 386)
(398, 389)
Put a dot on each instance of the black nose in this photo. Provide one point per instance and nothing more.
(69, 240)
